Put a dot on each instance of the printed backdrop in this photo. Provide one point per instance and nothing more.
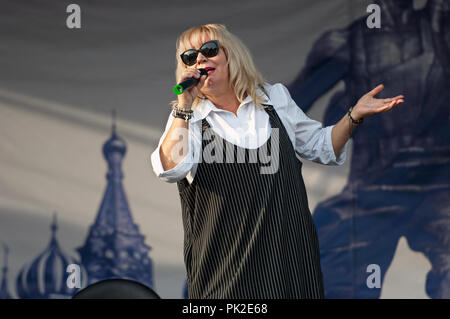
(81, 110)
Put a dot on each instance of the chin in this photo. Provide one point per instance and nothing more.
(208, 84)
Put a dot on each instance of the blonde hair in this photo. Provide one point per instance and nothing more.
(244, 78)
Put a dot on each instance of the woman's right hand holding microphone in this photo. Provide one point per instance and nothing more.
(186, 99)
(173, 149)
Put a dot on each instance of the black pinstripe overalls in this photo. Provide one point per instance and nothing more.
(247, 234)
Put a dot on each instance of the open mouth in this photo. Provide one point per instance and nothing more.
(210, 70)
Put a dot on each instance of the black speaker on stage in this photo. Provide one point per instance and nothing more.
(116, 289)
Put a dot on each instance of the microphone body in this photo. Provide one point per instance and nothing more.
(181, 87)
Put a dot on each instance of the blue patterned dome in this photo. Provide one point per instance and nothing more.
(114, 145)
(114, 246)
(46, 276)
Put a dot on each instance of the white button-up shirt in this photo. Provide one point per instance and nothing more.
(250, 128)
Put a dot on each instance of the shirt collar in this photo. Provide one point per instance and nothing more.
(204, 107)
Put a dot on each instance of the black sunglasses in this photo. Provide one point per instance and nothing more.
(208, 49)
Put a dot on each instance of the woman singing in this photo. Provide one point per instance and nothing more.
(230, 143)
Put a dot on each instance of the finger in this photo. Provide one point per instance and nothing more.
(390, 99)
(396, 102)
(196, 73)
(193, 71)
(387, 105)
(384, 108)
(188, 73)
(376, 90)
(388, 102)
(390, 105)
(202, 80)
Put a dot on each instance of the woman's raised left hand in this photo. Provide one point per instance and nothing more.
(368, 105)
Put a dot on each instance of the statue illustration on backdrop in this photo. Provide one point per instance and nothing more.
(399, 182)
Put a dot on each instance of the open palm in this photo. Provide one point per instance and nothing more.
(368, 105)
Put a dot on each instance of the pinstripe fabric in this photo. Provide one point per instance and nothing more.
(250, 235)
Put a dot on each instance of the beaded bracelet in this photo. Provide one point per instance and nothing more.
(183, 110)
(180, 113)
(355, 122)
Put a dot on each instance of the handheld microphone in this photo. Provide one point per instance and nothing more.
(180, 87)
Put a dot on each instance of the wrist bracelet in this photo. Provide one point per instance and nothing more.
(181, 114)
(355, 122)
(189, 111)
(182, 109)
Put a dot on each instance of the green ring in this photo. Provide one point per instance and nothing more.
(178, 89)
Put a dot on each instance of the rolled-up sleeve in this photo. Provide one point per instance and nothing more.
(183, 167)
(333, 160)
(310, 139)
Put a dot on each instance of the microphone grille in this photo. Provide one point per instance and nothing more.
(203, 72)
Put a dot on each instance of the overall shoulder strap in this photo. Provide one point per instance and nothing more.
(267, 107)
(205, 125)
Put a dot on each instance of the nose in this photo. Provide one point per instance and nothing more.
(201, 58)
